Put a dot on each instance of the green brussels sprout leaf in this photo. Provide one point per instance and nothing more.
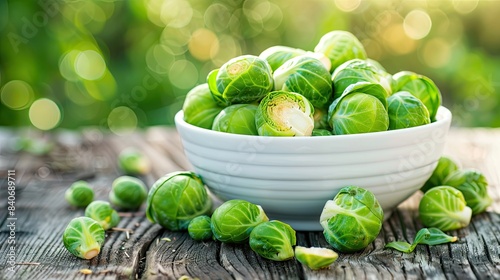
(427, 236)
(321, 132)
(315, 258)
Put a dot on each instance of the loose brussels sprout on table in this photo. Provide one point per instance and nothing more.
(307, 76)
(421, 87)
(444, 207)
(133, 162)
(176, 198)
(340, 46)
(200, 228)
(234, 220)
(237, 119)
(352, 220)
(128, 193)
(243, 79)
(200, 108)
(283, 113)
(277, 55)
(83, 237)
(444, 168)
(314, 257)
(273, 240)
(360, 109)
(102, 212)
(473, 185)
(79, 194)
(405, 110)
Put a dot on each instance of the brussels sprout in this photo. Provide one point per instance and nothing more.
(444, 207)
(430, 236)
(340, 46)
(79, 194)
(200, 228)
(133, 162)
(445, 167)
(102, 212)
(305, 75)
(405, 110)
(314, 257)
(83, 237)
(234, 219)
(238, 119)
(361, 109)
(355, 71)
(283, 113)
(243, 79)
(321, 132)
(176, 198)
(273, 240)
(473, 186)
(421, 87)
(277, 55)
(352, 220)
(320, 117)
(200, 107)
(128, 193)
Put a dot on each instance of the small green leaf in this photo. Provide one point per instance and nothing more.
(401, 246)
(427, 236)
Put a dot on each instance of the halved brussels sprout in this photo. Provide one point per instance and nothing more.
(234, 220)
(102, 212)
(473, 186)
(445, 167)
(356, 71)
(273, 240)
(200, 107)
(340, 46)
(277, 55)
(361, 109)
(133, 162)
(421, 87)
(177, 198)
(238, 119)
(128, 193)
(200, 228)
(79, 194)
(444, 207)
(83, 237)
(243, 79)
(405, 110)
(314, 257)
(352, 220)
(283, 113)
(305, 75)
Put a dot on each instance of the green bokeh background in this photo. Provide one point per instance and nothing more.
(129, 64)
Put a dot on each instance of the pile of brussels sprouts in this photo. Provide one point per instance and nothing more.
(84, 236)
(333, 90)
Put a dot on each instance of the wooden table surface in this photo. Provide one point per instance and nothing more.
(145, 253)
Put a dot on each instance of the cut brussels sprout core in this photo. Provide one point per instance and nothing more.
(444, 207)
(314, 257)
(83, 237)
(283, 113)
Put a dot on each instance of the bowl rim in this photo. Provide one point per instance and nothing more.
(443, 117)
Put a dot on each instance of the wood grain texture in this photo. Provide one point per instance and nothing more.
(146, 254)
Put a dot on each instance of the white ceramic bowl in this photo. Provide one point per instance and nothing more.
(293, 177)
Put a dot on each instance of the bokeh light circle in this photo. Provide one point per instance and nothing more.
(44, 114)
(347, 5)
(122, 120)
(90, 65)
(203, 44)
(17, 95)
(417, 24)
(183, 74)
